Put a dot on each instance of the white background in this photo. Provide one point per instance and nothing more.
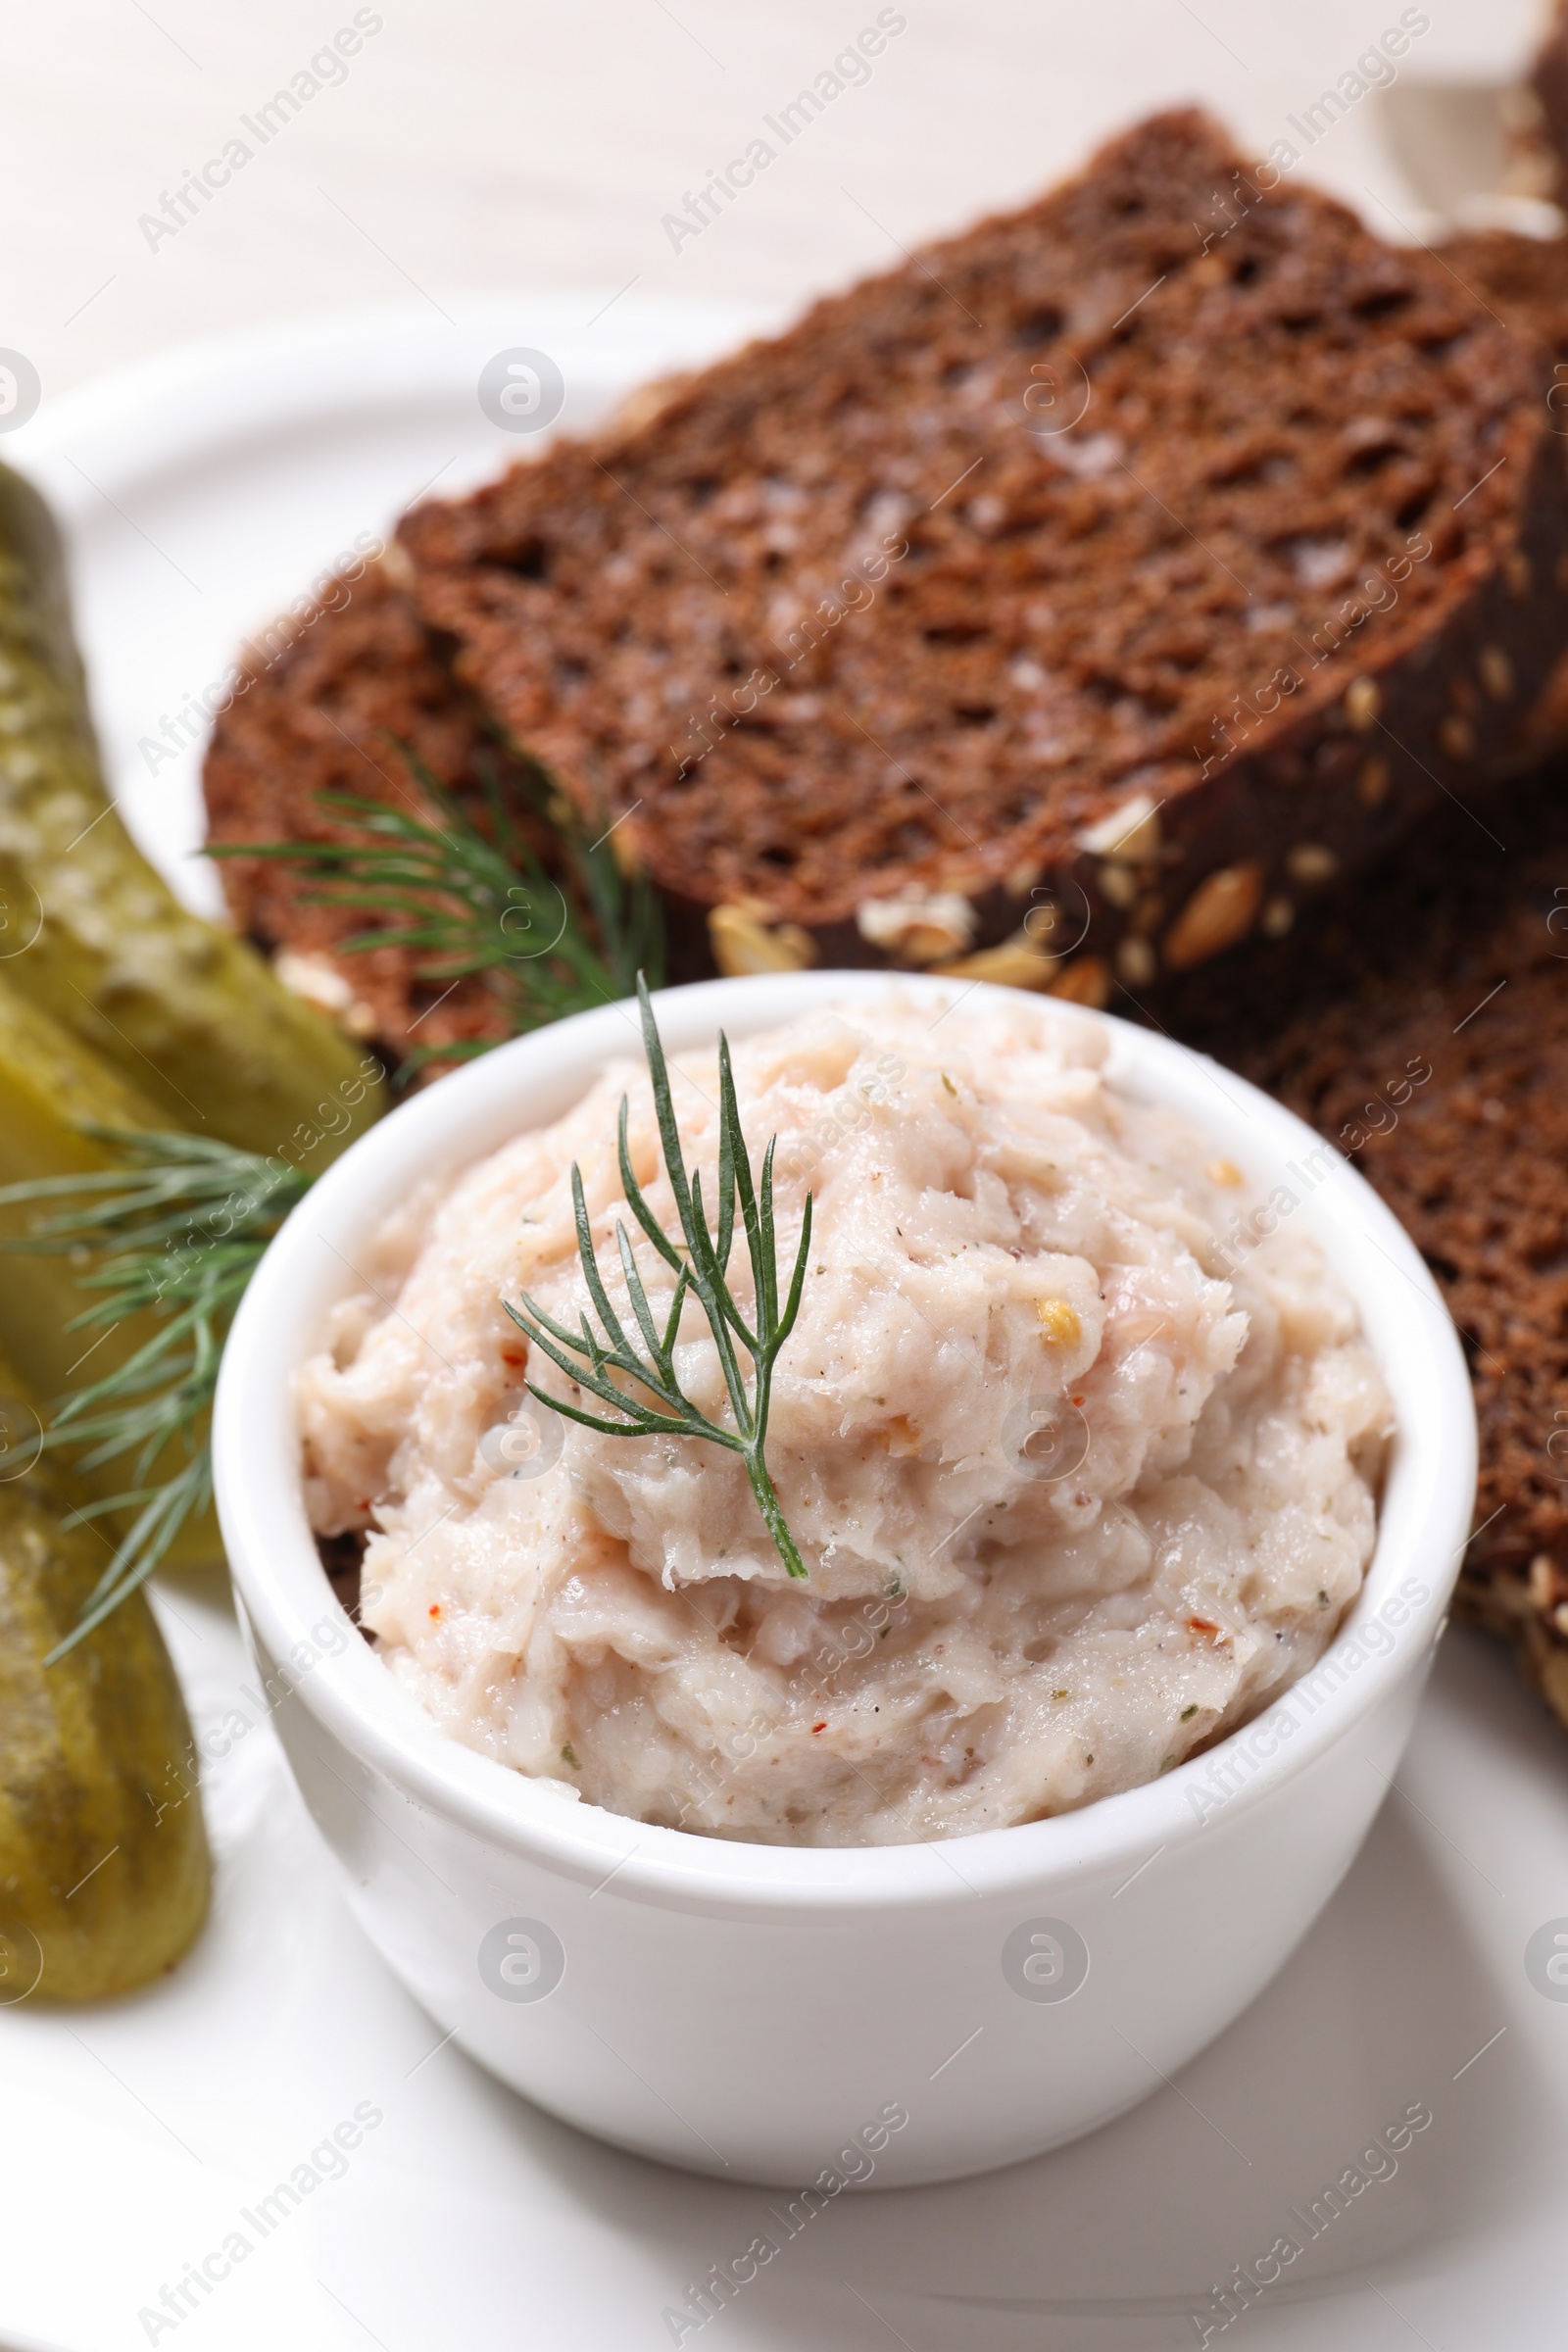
(480, 144)
(471, 150)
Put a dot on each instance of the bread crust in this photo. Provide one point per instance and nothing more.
(1421, 1025)
(1549, 80)
(326, 711)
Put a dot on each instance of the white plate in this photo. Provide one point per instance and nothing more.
(204, 490)
(200, 494)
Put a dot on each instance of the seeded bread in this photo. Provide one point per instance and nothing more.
(1203, 529)
(326, 715)
(1421, 1024)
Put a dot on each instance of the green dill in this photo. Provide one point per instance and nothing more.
(466, 897)
(176, 1230)
(700, 1262)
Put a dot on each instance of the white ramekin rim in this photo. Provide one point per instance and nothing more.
(1424, 1518)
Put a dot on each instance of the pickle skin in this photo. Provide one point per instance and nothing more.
(91, 932)
(52, 1085)
(105, 1875)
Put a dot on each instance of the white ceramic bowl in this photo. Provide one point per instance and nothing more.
(766, 2013)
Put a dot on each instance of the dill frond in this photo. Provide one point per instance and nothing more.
(464, 898)
(700, 1264)
(175, 1232)
(177, 1229)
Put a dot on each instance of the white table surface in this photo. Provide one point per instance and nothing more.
(480, 147)
(476, 144)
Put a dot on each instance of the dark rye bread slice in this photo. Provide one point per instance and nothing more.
(852, 620)
(324, 715)
(1421, 1024)
(1525, 281)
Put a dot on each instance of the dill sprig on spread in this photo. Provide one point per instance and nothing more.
(467, 899)
(176, 1230)
(700, 1262)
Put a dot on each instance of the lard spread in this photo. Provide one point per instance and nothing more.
(1082, 1479)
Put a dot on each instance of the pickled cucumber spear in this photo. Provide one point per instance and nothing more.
(104, 1867)
(123, 1248)
(90, 932)
(57, 1101)
(53, 1090)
